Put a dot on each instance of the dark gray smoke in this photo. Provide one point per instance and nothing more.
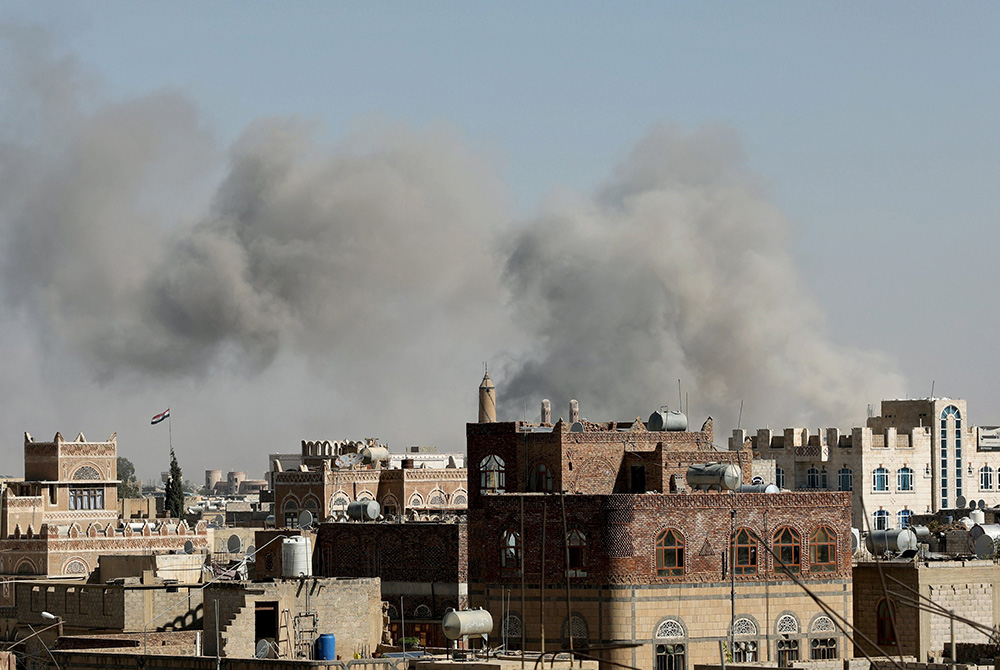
(136, 245)
(678, 269)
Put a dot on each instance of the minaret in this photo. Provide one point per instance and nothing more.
(487, 401)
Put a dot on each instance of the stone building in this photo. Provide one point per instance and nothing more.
(65, 513)
(917, 457)
(334, 474)
(290, 614)
(966, 587)
(589, 534)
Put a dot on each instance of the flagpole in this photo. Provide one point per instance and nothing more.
(170, 431)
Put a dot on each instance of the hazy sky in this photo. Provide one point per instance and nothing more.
(317, 221)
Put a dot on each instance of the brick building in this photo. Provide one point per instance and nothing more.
(422, 566)
(617, 548)
(334, 474)
(918, 456)
(65, 513)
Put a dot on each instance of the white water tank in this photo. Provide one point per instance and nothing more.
(467, 622)
(978, 516)
(296, 557)
(896, 541)
(722, 476)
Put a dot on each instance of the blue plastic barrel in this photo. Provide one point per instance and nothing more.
(326, 647)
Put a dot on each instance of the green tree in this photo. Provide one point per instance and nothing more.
(128, 485)
(174, 503)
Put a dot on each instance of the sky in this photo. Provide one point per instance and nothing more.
(320, 220)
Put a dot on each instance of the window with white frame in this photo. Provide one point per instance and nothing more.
(903, 518)
(880, 479)
(812, 478)
(986, 478)
(779, 478)
(880, 520)
(904, 479)
(845, 479)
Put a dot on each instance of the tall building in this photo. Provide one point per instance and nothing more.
(595, 535)
(917, 456)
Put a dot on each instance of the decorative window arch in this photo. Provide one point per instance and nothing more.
(986, 478)
(744, 626)
(25, 567)
(823, 550)
(880, 520)
(510, 554)
(511, 631)
(540, 479)
(822, 624)
(788, 548)
(437, 498)
(76, 566)
(903, 518)
(744, 644)
(904, 479)
(86, 472)
(416, 500)
(575, 627)
(422, 612)
(459, 498)
(669, 628)
(670, 645)
(310, 503)
(787, 625)
(365, 494)
(339, 501)
(492, 473)
(670, 553)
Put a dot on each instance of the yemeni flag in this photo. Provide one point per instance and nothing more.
(160, 417)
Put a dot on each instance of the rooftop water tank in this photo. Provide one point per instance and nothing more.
(296, 557)
(721, 476)
(374, 454)
(985, 544)
(977, 516)
(467, 622)
(897, 541)
(363, 510)
(667, 419)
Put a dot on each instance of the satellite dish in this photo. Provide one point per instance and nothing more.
(305, 518)
(577, 427)
(234, 544)
(982, 504)
(960, 502)
(219, 520)
(263, 649)
(251, 550)
(188, 547)
(757, 481)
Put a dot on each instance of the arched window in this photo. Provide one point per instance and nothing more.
(390, 505)
(577, 542)
(576, 627)
(744, 553)
(422, 612)
(885, 632)
(823, 550)
(491, 474)
(986, 478)
(311, 504)
(416, 500)
(779, 478)
(290, 508)
(788, 625)
(339, 501)
(788, 643)
(510, 554)
(459, 498)
(365, 495)
(670, 554)
(845, 479)
(540, 479)
(670, 647)
(880, 520)
(511, 631)
(812, 478)
(744, 649)
(903, 518)
(880, 479)
(788, 548)
(437, 498)
(904, 479)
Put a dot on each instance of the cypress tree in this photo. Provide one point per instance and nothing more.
(174, 502)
